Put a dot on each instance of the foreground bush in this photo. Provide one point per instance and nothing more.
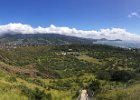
(36, 94)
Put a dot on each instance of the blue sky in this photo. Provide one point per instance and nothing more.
(80, 14)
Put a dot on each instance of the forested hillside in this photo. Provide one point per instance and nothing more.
(13, 40)
(58, 72)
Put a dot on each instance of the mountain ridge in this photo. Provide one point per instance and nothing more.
(41, 39)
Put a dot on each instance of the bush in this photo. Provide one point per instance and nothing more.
(38, 82)
(76, 95)
(35, 94)
(121, 75)
(11, 79)
(94, 86)
(103, 75)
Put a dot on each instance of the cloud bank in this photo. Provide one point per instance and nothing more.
(134, 14)
(112, 33)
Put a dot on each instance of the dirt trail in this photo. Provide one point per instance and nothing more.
(83, 95)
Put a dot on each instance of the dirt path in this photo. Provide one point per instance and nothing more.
(83, 95)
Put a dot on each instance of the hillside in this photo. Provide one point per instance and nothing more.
(58, 72)
(40, 39)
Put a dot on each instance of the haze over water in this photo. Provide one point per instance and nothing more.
(123, 44)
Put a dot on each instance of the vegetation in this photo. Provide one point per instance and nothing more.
(59, 72)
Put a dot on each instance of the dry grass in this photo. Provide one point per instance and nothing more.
(89, 59)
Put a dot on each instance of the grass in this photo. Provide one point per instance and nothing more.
(129, 93)
(89, 59)
(76, 70)
(12, 95)
(12, 91)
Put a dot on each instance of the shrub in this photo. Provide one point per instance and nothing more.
(11, 79)
(121, 75)
(35, 94)
(103, 75)
(38, 82)
(94, 86)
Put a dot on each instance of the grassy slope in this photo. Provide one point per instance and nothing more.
(89, 59)
(22, 68)
(129, 93)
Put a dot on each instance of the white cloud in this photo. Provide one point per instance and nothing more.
(111, 33)
(134, 14)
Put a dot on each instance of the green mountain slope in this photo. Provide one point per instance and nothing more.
(41, 39)
(58, 72)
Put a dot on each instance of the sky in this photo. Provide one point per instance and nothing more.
(87, 17)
